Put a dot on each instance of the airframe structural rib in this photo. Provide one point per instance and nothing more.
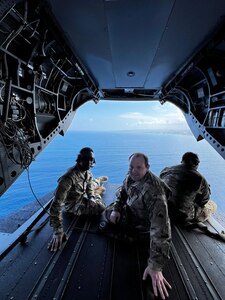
(55, 56)
(42, 83)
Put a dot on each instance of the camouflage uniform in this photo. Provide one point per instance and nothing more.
(190, 191)
(74, 190)
(143, 207)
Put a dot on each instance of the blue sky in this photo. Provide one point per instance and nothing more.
(128, 115)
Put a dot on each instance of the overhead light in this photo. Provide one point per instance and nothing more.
(130, 74)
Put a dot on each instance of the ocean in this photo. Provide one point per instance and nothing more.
(111, 152)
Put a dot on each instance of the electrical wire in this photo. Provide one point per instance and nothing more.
(35, 29)
(67, 76)
(1, 88)
(31, 188)
(13, 138)
(14, 34)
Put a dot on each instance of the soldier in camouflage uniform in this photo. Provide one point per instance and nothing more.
(190, 191)
(140, 206)
(78, 192)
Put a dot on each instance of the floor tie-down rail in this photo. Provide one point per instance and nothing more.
(94, 266)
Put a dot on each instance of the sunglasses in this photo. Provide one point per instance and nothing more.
(87, 158)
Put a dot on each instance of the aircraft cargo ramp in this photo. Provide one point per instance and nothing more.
(95, 266)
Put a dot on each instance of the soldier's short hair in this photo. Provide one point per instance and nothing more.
(190, 158)
(139, 154)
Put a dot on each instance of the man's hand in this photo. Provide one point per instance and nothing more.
(56, 241)
(114, 217)
(159, 283)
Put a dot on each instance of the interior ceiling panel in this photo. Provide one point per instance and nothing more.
(136, 47)
(188, 26)
(133, 48)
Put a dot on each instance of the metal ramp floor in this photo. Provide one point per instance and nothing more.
(93, 266)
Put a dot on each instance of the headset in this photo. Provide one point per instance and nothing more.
(81, 156)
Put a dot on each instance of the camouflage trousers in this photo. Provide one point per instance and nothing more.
(87, 207)
(127, 227)
(200, 214)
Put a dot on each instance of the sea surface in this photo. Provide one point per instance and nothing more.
(112, 151)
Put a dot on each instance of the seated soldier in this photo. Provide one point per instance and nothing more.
(190, 200)
(78, 192)
(140, 208)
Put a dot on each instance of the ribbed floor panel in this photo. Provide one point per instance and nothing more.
(93, 266)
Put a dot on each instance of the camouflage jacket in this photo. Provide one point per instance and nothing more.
(70, 192)
(189, 190)
(147, 203)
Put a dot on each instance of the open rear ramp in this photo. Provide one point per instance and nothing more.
(94, 266)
